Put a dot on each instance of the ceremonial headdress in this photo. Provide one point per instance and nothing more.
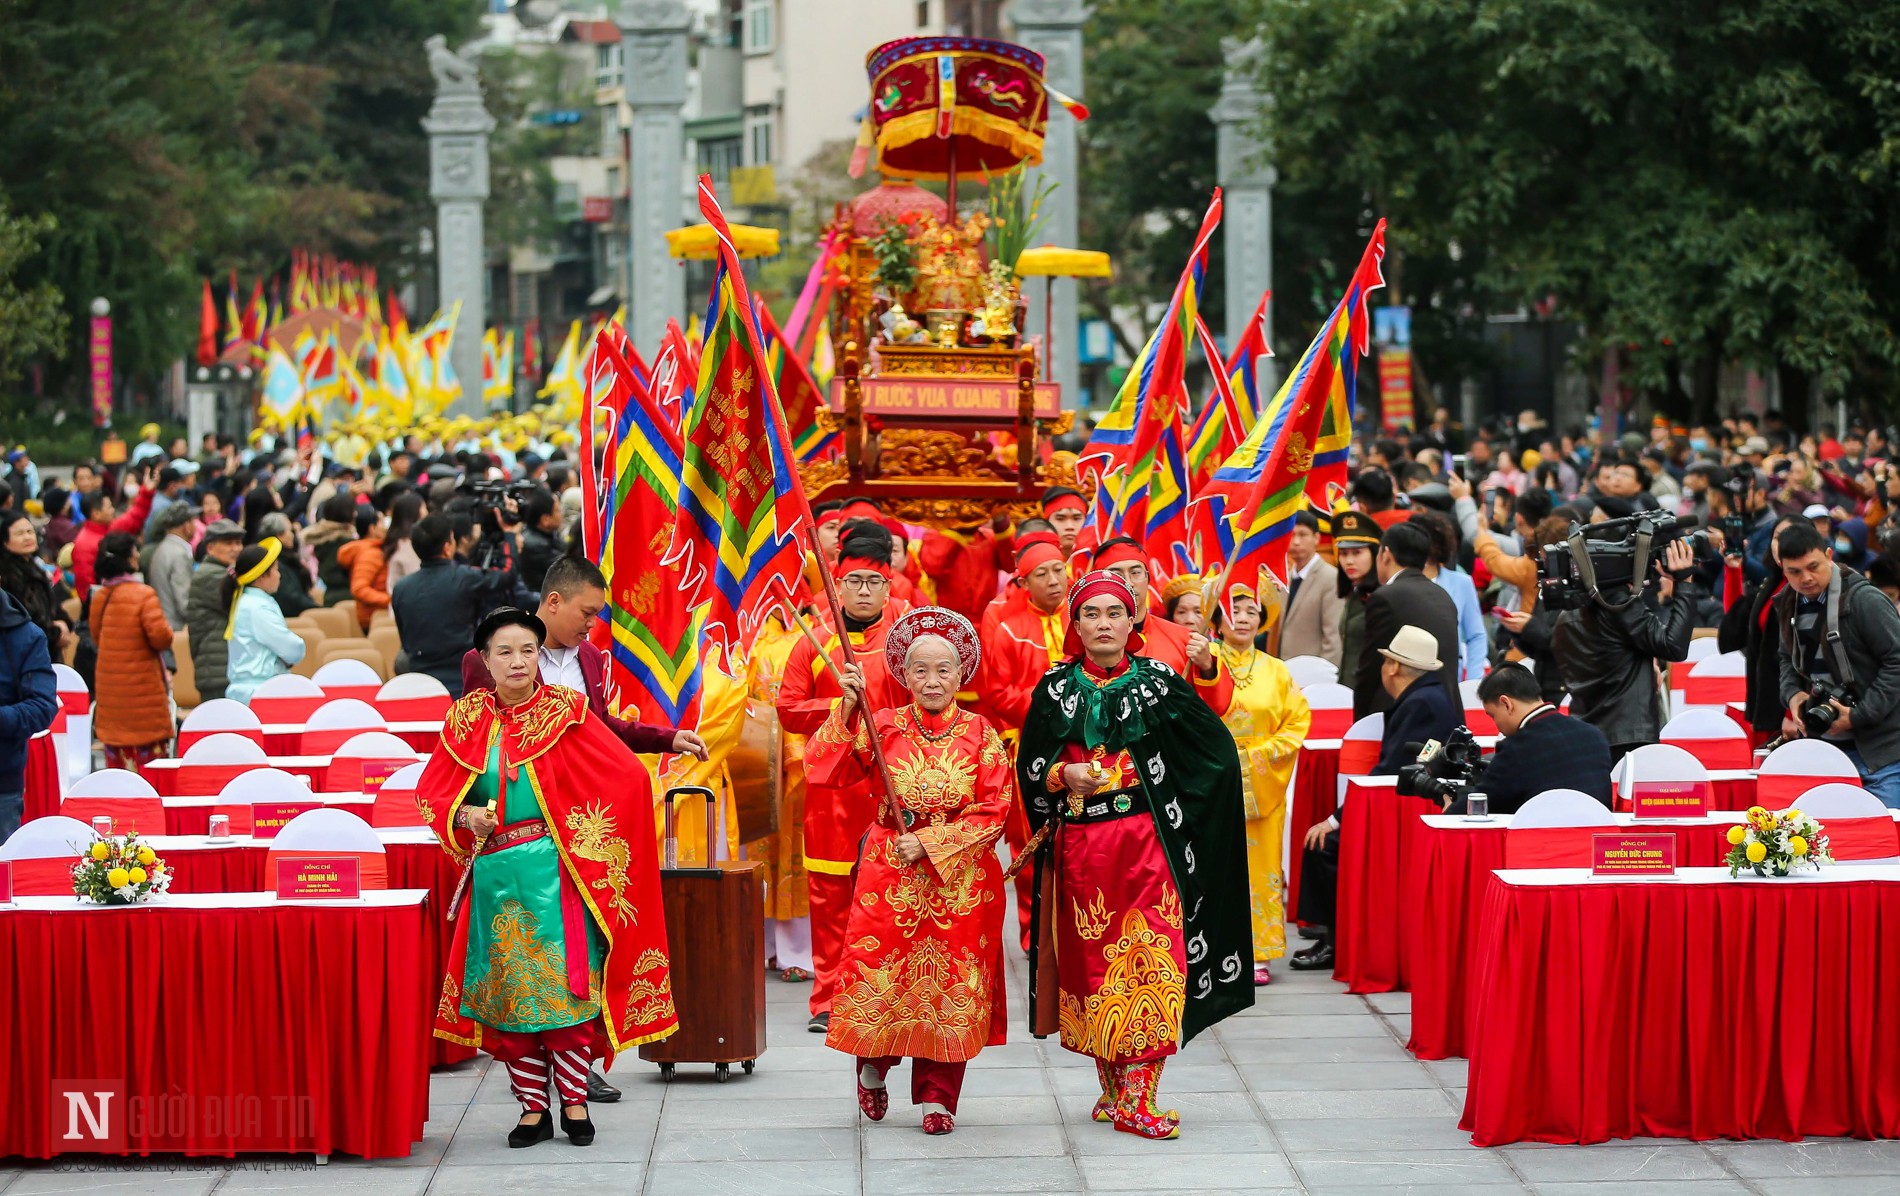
(1186, 583)
(867, 545)
(1036, 549)
(932, 620)
(1099, 584)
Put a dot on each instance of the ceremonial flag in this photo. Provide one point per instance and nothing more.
(564, 376)
(283, 396)
(675, 373)
(742, 505)
(398, 318)
(1231, 410)
(1137, 449)
(498, 365)
(352, 386)
(392, 379)
(823, 364)
(531, 352)
(322, 376)
(255, 314)
(799, 396)
(1296, 453)
(654, 627)
(208, 328)
(233, 323)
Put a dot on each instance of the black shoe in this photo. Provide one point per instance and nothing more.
(820, 1022)
(579, 1130)
(528, 1135)
(598, 1089)
(1318, 957)
(1313, 934)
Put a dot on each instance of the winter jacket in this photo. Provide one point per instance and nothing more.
(261, 647)
(1870, 637)
(207, 615)
(437, 608)
(132, 707)
(325, 537)
(293, 586)
(369, 575)
(1747, 627)
(538, 551)
(28, 699)
(1609, 660)
(402, 561)
(86, 542)
(168, 567)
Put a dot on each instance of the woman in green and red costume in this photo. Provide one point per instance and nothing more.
(1142, 931)
(559, 956)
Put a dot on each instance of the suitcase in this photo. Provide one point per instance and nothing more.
(715, 931)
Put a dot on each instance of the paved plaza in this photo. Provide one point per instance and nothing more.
(1311, 1091)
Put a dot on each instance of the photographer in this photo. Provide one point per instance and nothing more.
(540, 537)
(438, 606)
(1840, 656)
(1542, 749)
(1611, 646)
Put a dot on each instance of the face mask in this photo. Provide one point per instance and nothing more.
(1699, 443)
(131, 489)
(1843, 546)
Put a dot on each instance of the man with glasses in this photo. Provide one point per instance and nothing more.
(837, 814)
(1188, 653)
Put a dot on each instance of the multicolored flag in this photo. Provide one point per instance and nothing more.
(654, 629)
(1231, 410)
(798, 393)
(498, 365)
(742, 506)
(675, 373)
(256, 314)
(1296, 453)
(233, 322)
(564, 377)
(1136, 451)
(283, 394)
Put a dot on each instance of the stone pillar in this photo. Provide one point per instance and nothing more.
(458, 128)
(1246, 180)
(1053, 28)
(655, 35)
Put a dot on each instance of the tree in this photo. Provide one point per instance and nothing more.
(31, 319)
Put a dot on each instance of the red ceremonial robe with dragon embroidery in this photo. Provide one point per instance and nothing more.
(923, 968)
(598, 804)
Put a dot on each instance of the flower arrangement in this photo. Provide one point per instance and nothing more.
(119, 872)
(896, 255)
(1779, 843)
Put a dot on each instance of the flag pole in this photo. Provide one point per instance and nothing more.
(889, 811)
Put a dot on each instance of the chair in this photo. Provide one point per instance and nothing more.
(220, 716)
(1716, 680)
(260, 785)
(384, 617)
(1554, 830)
(1700, 648)
(363, 762)
(347, 608)
(1859, 827)
(1359, 749)
(1798, 766)
(1663, 769)
(396, 799)
(1331, 704)
(214, 762)
(1312, 670)
(1476, 719)
(336, 623)
(72, 722)
(125, 797)
(42, 853)
(330, 832)
(313, 642)
(350, 676)
(1711, 736)
(388, 644)
(185, 678)
(287, 698)
(335, 723)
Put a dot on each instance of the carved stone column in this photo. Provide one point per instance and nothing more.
(655, 35)
(1246, 179)
(458, 127)
(1053, 28)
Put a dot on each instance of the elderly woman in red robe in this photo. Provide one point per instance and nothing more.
(922, 975)
(559, 953)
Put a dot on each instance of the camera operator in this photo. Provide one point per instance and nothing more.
(1542, 748)
(540, 536)
(1840, 656)
(1611, 647)
(438, 606)
(1422, 711)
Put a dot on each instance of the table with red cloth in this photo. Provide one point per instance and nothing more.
(1376, 828)
(286, 739)
(1312, 796)
(1443, 886)
(414, 860)
(41, 797)
(231, 1022)
(191, 816)
(1691, 1007)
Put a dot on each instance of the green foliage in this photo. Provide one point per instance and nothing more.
(1693, 183)
(1015, 213)
(31, 318)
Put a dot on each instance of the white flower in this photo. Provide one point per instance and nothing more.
(126, 893)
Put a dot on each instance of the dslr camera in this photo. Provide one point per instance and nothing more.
(1608, 555)
(1821, 711)
(1443, 772)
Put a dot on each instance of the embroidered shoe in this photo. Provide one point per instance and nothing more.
(875, 1102)
(1261, 976)
(1104, 1110)
(939, 1123)
(1135, 1112)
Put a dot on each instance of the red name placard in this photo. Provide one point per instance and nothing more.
(948, 397)
(376, 772)
(1669, 799)
(319, 878)
(269, 817)
(6, 882)
(1633, 855)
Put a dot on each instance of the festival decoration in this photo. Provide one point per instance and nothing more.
(121, 871)
(1771, 843)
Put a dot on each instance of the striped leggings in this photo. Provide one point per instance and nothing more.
(543, 1059)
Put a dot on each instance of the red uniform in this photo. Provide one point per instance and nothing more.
(964, 566)
(838, 814)
(1019, 645)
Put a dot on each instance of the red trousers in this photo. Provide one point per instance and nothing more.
(546, 1059)
(931, 1081)
(830, 915)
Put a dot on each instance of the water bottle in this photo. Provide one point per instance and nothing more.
(1477, 807)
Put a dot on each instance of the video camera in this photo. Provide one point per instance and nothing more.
(493, 496)
(1603, 556)
(1443, 772)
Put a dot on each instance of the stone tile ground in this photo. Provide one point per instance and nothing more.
(1311, 1091)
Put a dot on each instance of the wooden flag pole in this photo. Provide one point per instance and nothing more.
(889, 812)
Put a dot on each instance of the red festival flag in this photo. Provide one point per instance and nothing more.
(208, 328)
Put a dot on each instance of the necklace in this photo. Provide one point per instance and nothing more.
(1227, 656)
(949, 726)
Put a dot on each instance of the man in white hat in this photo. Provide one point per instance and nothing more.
(1422, 709)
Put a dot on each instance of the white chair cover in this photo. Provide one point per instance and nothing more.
(1562, 807)
(53, 837)
(1312, 670)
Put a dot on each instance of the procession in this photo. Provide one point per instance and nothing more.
(1425, 728)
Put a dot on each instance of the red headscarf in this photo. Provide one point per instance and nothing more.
(1065, 502)
(1035, 549)
(1099, 584)
(1115, 554)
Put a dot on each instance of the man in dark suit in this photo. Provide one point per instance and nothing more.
(1543, 748)
(573, 594)
(1405, 597)
(1410, 671)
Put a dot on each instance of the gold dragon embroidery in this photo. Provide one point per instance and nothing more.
(594, 839)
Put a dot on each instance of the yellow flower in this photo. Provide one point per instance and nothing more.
(117, 878)
(100, 851)
(1756, 812)
(137, 876)
(1798, 845)
(147, 855)
(1757, 852)
(1736, 834)
(1792, 816)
